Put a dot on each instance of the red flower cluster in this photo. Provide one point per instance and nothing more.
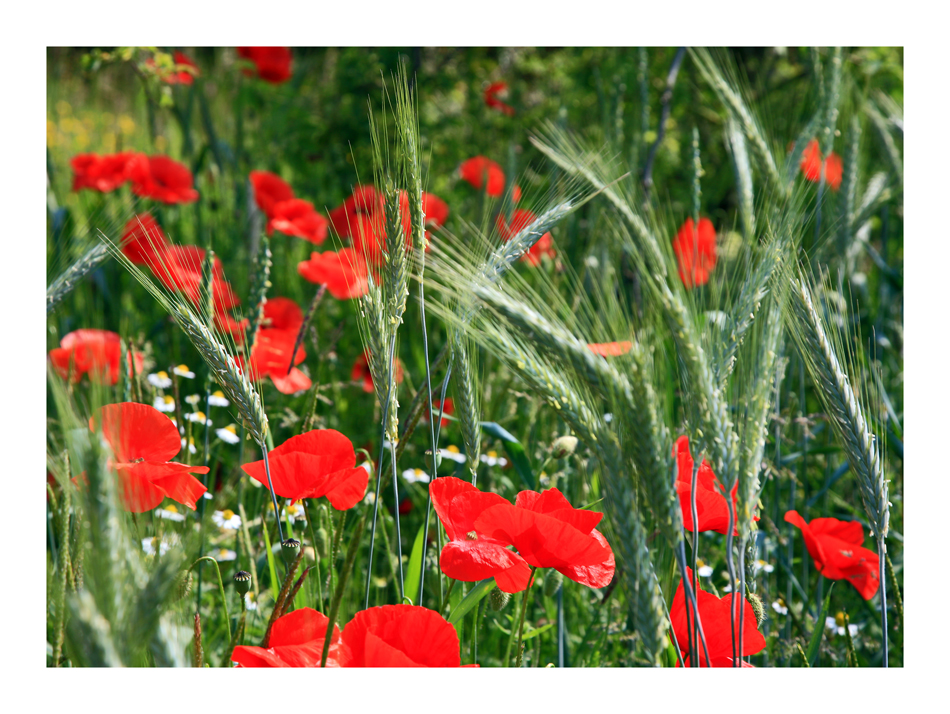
(492, 100)
(156, 177)
(291, 216)
(811, 165)
(712, 510)
(837, 549)
(96, 352)
(361, 373)
(482, 172)
(181, 76)
(521, 219)
(274, 345)
(318, 463)
(544, 528)
(695, 252)
(143, 441)
(272, 63)
(100, 173)
(387, 636)
(345, 273)
(716, 620)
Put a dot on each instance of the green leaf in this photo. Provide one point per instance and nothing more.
(515, 451)
(415, 566)
(471, 600)
(815, 643)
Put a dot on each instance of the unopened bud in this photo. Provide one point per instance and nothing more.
(563, 447)
(552, 581)
(289, 550)
(321, 542)
(242, 582)
(498, 599)
(438, 460)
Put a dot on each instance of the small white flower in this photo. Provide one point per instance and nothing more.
(250, 601)
(370, 498)
(608, 418)
(217, 399)
(780, 607)
(164, 404)
(452, 453)
(228, 434)
(160, 380)
(836, 624)
(763, 565)
(150, 545)
(170, 513)
(223, 554)
(415, 476)
(493, 459)
(190, 445)
(207, 494)
(183, 371)
(702, 569)
(226, 519)
(198, 417)
(193, 399)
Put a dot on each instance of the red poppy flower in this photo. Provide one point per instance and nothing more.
(471, 555)
(365, 200)
(162, 179)
(436, 210)
(182, 76)
(345, 273)
(223, 322)
(521, 219)
(447, 409)
(549, 533)
(281, 313)
(318, 463)
(836, 547)
(96, 352)
(269, 190)
(492, 100)
(178, 267)
(143, 441)
(296, 640)
(711, 507)
(100, 173)
(811, 165)
(610, 349)
(400, 636)
(405, 506)
(273, 63)
(695, 252)
(274, 345)
(361, 373)
(297, 217)
(143, 240)
(482, 172)
(716, 620)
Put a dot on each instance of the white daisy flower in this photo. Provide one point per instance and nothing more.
(151, 545)
(164, 404)
(836, 624)
(198, 417)
(223, 554)
(370, 498)
(160, 380)
(452, 453)
(183, 371)
(193, 399)
(228, 434)
(207, 494)
(702, 569)
(170, 513)
(249, 600)
(293, 511)
(780, 607)
(217, 399)
(415, 476)
(190, 445)
(226, 519)
(763, 565)
(493, 459)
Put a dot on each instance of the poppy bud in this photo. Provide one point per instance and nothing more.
(498, 599)
(183, 585)
(438, 460)
(242, 582)
(289, 550)
(756, 602)
(563, 447)
(552, 582)
(321, 542)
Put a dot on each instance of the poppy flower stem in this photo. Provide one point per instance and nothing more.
(731, 567)
(341, 586)
(694, 512)
(524, 608)
(224, 601)
(690, 596)
(273, 496)
(882, 553)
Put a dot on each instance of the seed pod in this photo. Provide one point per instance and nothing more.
(552, 582)
(322, 541)
(242, 582)
(438, 460)
(498, 599)
(289, 550)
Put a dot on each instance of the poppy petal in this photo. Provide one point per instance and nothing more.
(474, 560)
(421, 635)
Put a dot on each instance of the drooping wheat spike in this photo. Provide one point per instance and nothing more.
(67, 280)
(208, 342)
(736, 142)
(260, 282)
(841, 403)
(732, 99)
(466, 398)
(849, 187)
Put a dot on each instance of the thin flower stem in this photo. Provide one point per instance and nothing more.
(561, 630)
(882, 558)
(694, 511)
(224, 600)
(306, 323)
(448, 591)
(666, 611)
(690, 597)
(238, 637)
(519, 656)
(392, 459)
(731, 567)
(316, 554)
(273, 496)
(201, 502)
(741, 605)
(341, 586)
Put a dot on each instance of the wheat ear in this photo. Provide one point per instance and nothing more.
(68, 279)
